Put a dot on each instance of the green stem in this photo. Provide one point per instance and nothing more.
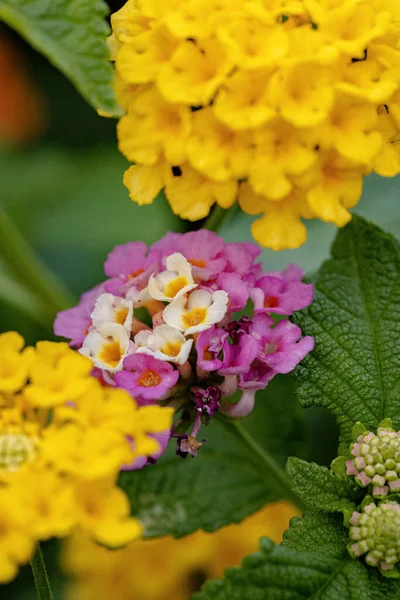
(216, 217)
(29, 269)
(42, 583)
(271, 470)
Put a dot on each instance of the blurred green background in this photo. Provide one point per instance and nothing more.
(62, 186)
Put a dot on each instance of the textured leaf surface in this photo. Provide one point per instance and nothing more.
(320, 488)
(316, 531)
(355, 319)
(71, 34)
(223, 484)
(311, 564)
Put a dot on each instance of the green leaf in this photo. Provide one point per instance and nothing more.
(274, 573)
(312, 563)
(71, 34)
(223, 484)
(320, 488)
(355, 319)
(316, 531)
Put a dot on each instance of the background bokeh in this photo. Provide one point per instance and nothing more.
(61, 182)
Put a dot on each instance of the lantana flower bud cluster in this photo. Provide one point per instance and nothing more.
(187, 323)
(63, 440)
(374, 463)
(376, 460)
(285, 105)
(375, 532)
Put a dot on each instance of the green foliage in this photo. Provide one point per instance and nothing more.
(320, 488)
(354, 373)
(71, 34)
(355, 318)
(312, 563)
(223, 484)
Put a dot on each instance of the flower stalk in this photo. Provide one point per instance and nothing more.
(42, 582)
(270, 470)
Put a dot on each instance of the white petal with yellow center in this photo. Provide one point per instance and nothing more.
(107, 346)
(173, 283)
(112, 309)
(198, 312)
(164, 343)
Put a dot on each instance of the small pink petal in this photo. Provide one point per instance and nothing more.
(360, 462)
(350, 468)
(394, 485)
(364, 479)
(355, 517)
(356, 450)
(380, 491)
(385, 566)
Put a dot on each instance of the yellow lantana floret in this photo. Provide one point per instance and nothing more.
(63, 440)
(279, 98)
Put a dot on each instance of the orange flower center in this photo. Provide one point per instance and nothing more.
(149, 378)
(271, 302)
(135, 274)
(194, 317)
(175, 286)
(120, 315)
(111, 353)
(197, 263)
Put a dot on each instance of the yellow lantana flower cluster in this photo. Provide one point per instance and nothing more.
(63, 440)
(181, 565)
(285, 104)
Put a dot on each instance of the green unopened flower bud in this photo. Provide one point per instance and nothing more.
(375, 459)
(376, 532)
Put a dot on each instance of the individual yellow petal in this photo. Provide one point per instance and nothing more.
(216, 151)
(241, 103)
(194, 72)
(116, 534)
(191, 195)
(280, 228)
(251, 44)
(300, 104)
(144, 183)
(153, 125)
(141, 60)
(128, 22)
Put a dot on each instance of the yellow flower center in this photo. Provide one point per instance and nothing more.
(15, 449)
(172, 349)
(120, 315)
(175, 286)
(111, 353)
(149, 378)
(194, 317)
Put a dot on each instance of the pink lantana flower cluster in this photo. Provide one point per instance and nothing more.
(187, 323)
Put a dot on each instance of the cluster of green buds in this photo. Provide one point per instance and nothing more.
(376, 532)
(375, 459)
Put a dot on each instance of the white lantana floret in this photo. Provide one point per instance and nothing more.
(197, 312)
(173, 283)
(164, 343)
(112, 309)
(107, 346)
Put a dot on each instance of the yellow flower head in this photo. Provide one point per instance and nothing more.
(181, 565)
(63, 439)
(280, 98)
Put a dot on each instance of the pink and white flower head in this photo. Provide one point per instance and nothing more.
(166, 326)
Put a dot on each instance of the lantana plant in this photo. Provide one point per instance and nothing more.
(194, 346)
